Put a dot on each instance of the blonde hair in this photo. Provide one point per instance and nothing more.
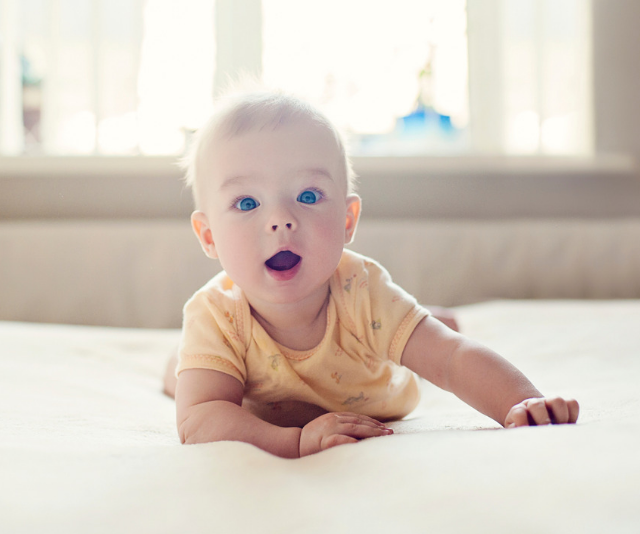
(239, 113)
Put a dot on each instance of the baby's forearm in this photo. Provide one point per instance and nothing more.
(221, 420)
(486, 381)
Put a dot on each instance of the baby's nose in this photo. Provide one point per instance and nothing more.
(281, 218)
(284, 222)
(288, 225)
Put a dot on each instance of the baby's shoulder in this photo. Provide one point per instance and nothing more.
(376, 311)
(361, 284)
(218, 301)
(355, 279)
(219, 291)
(356, 271)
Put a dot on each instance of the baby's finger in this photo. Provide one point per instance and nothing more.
(356, 420)
(538, 413)
(517, 416)
(360, 417)
(558, 410)
(574, 410)
(336, 439)
(361, 431)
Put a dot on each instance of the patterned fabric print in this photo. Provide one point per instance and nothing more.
(355, 400)
(275, 361)
(347, 285)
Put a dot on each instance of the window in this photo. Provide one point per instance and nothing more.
(103, 76)
(530, 76)
(410, 77)
(392, 75)
(70, 67)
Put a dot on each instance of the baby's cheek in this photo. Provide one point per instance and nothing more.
(330, 239)
(330, 235)
(235, 250)
(333, 225)
(239, 239)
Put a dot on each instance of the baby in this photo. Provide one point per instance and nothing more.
(300, 345)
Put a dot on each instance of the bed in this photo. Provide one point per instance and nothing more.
(88, 441)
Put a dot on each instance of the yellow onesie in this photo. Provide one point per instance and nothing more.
(355, 368)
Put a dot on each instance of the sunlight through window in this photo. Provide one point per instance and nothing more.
(392, 76)
(412, 77)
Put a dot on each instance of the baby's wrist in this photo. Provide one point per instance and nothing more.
(282, 441)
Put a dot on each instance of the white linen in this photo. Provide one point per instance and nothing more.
(88, 442)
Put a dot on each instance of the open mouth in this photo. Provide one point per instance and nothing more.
(283, 261)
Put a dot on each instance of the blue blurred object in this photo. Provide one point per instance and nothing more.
(423, 120)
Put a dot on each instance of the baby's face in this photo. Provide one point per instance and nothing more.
(275, 202)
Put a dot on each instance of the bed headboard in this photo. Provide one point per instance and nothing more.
(140, 273)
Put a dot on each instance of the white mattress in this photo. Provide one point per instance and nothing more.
(88, 443)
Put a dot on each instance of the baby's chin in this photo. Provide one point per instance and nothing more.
(289, 296)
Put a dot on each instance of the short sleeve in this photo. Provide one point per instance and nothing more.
(210, 337)
(381, 313)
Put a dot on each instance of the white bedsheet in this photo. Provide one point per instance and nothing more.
(88, 442)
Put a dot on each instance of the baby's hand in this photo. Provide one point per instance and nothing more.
(543, 411)
(333, 429)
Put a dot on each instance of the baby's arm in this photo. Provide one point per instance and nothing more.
(209, 408)
(446, 316)
(481, 378)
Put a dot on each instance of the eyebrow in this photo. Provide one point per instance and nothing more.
(315, 171)
(318, 171)
(231, 181)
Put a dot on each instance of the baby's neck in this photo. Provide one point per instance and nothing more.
(298, 326)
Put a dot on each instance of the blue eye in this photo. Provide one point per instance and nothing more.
(246, 204)
(309, 196)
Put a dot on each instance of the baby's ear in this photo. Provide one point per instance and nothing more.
(200, 225)
(354, 203)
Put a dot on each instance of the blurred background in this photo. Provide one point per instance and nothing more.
(496, 142)
(131, 77)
